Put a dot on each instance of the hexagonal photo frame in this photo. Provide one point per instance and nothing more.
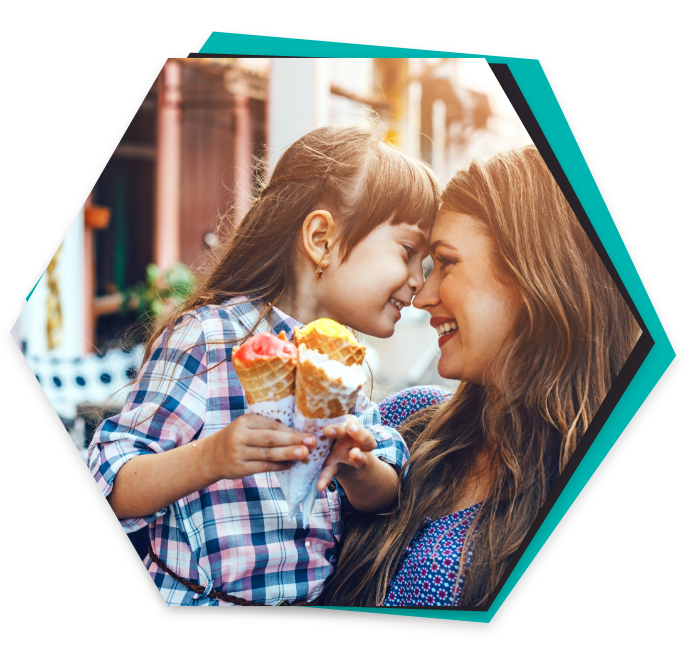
(531, 95)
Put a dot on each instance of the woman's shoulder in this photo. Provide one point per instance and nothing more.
(398, 408)
(420, 396)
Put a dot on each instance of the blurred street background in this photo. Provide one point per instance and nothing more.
(189, 159)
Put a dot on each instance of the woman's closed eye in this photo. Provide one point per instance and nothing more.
(444, 261)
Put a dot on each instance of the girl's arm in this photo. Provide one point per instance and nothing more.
(370, 483)
(249, 445)
(164, 414)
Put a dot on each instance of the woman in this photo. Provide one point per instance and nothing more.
(533, 327)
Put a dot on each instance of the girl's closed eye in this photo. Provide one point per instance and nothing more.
(410, 252)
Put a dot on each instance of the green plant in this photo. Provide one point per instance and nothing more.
(160, 291)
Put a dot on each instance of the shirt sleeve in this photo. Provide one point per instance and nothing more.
(165, 408)
(390, 447)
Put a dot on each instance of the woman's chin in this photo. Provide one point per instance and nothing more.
(446, 373)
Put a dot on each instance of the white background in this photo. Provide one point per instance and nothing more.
(367, 12)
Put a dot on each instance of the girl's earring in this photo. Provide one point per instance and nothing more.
(319, 270)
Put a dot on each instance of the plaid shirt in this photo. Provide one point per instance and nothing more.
(234, 535)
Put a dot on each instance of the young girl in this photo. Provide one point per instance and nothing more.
(340, 231)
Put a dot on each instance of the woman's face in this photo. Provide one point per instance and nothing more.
(471, 308)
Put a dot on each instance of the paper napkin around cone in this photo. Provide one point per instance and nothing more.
(325, 393)
(268, 383)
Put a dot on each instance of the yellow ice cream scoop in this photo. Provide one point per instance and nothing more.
(331, 338)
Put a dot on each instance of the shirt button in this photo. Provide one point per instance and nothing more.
(308, 544)
(331, 486)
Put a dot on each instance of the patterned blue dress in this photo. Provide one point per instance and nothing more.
(429, 568)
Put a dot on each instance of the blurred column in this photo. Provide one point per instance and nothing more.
(298, 99)
(438, 121)
(243, 156)
(167, 202)
(412, 144)
(88, 289)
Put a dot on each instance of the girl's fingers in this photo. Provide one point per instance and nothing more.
(259, 422)
(294, 453)
(272, 438)
(255, 467)
(326, 476)
(357, 458)
(335, 431)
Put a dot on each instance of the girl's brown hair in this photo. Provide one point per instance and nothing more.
(351, 172)
(569, 343)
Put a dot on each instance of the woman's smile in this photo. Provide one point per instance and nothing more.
(472, 304)
(446, 328)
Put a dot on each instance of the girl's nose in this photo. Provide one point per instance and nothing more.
(428, 296)
(416, 281)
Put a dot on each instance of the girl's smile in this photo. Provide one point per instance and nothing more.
(378, 279)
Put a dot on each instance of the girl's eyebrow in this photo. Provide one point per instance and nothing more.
(422, 240)
(440, 242)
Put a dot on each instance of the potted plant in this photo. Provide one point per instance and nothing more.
(97, 217)
(161, 291)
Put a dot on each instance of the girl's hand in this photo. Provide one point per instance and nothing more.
(354, 442)
(253, 444)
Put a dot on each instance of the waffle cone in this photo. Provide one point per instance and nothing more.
(318, 396)
(269, 379)
(338, 349)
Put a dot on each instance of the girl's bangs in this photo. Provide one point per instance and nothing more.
(401, 191)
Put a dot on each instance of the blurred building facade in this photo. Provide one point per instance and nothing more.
(192, 156)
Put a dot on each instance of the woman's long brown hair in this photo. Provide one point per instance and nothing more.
(570, 341)
(350, 171)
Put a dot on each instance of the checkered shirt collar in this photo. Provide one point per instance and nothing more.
(248, 311)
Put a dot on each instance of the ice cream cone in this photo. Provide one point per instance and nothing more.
(331, 338)
(265, 374)
(325, 393)
(265, 366)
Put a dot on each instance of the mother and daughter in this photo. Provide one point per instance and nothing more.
(436, 491)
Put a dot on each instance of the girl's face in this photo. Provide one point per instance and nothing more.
(382, 274)
(472, 310)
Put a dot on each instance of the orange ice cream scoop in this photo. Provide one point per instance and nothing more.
(266, 367)
(264, 346)
(331, 338)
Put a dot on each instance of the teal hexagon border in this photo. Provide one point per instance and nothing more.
(536, 89)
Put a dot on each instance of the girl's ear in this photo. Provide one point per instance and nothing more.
(317, 235)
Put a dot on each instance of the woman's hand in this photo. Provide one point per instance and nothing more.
(354, 442)
(252, 444)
